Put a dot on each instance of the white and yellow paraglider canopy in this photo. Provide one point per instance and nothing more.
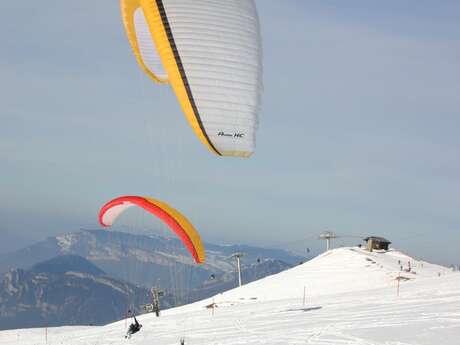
(210, 52)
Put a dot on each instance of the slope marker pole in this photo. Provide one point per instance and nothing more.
(304, 295)
(213, 305)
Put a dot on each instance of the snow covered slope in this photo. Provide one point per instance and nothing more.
(351, 299)
(337, 271)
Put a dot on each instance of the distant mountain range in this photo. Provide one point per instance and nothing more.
(66, 290)
(146, 260)
(91, 276)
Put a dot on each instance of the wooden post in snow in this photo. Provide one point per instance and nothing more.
(304, 295)
(213, 306)
(46, 325)
(398, 279)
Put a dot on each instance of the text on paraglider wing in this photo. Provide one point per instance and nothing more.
(234, 135)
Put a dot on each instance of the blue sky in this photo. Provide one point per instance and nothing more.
(358, 134)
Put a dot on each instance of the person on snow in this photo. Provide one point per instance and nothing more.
(133, 328)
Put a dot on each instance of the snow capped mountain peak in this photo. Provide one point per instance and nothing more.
(65, 242)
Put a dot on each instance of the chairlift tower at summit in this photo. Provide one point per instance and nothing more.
(238, 257)
(328, 236)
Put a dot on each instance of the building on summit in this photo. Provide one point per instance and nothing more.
(375, 242)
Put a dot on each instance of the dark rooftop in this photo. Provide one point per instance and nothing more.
(377, 238)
